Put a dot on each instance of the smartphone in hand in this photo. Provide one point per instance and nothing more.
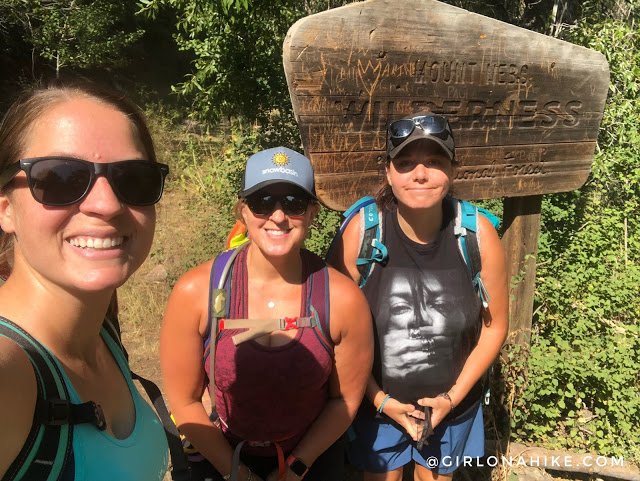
(427, 429)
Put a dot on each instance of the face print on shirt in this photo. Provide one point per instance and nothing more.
(423, 332)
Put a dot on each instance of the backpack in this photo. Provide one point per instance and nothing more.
(373, 251)
(47, 453)
(219, 300)
(219, 308)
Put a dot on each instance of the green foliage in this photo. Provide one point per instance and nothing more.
(76, 33)
(237, 71)
(210, 168)
(322, 231)
(581, 388)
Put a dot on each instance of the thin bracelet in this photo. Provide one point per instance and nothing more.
(383, 403)
(447, 397)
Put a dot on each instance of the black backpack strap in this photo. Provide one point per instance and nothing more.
(179, 465)
(47, 452)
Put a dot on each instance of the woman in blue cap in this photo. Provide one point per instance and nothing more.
(434, 338)
(291, 353)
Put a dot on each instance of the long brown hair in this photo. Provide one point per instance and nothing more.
(31, 105)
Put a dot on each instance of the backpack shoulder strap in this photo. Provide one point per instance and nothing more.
(48, 449)
(179, 465)
(318, 299)
(219, 298)
(466, 232)
(466, 228)
(371, 250)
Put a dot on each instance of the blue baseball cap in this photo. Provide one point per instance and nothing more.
(276, 166)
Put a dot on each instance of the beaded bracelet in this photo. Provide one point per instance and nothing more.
(448, 398)
(383, 403)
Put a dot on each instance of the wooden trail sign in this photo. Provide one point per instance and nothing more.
(525, 108)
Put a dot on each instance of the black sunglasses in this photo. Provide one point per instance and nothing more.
(265, 204)
(399, 130)
(59, 181)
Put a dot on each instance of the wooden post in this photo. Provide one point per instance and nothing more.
(520, 241)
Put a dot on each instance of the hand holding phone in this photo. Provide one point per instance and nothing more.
(427, 430)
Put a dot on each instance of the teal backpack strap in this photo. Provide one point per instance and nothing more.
(466, 231)
(47, 453)
(372, 250)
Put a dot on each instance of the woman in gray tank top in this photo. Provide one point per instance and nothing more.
(434, 339)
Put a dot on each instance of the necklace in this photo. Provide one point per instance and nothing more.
(271, 304)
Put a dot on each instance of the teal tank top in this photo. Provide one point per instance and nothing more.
(143, 456)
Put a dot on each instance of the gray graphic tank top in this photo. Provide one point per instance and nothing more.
(426, 313)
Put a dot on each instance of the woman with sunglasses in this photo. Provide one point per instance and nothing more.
(78, 184)
(434, 339)
(285, 397)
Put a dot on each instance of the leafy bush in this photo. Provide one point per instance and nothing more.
(581, 388)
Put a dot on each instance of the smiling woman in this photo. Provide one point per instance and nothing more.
(435, 340)
(284, 396)
(78, 184)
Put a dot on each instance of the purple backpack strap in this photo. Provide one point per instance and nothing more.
(219, 297)
(318, 299)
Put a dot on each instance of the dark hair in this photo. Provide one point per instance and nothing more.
(31, 105)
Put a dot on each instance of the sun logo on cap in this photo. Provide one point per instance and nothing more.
(280, 158)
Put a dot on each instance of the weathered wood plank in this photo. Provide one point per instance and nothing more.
(508, 93)
(485, 172)
(520, 241)
(339, 134)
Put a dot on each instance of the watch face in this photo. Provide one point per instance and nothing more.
(298, 467)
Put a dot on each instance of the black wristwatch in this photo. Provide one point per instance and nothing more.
(296, 466)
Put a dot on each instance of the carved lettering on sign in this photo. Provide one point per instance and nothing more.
(463, 72)
(524, 108)
(515, 163)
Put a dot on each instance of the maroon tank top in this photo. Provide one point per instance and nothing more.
(273, 394)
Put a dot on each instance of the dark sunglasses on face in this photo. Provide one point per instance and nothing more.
(265, 204)
(399, 130)
(59, 181)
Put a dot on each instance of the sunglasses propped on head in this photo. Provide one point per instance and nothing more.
(399, 130)
(423, 125)
(60, 181)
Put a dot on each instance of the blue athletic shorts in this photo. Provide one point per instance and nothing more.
(382, 445)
